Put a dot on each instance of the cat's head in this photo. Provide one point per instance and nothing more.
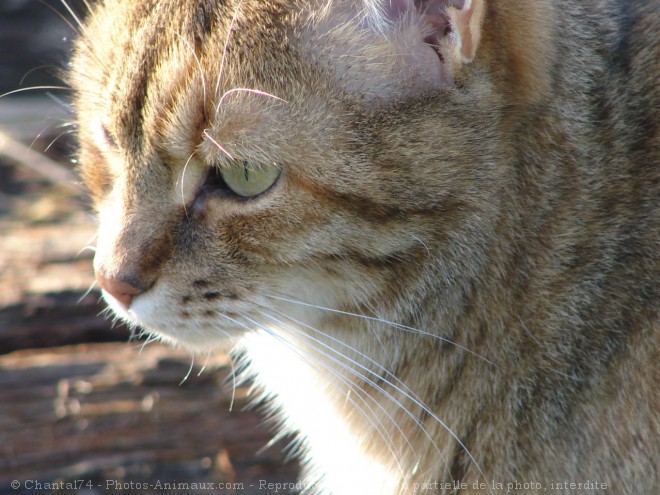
(243, 153)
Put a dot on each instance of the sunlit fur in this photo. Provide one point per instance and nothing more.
(455, 278)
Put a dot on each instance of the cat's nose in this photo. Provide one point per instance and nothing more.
(122, 290)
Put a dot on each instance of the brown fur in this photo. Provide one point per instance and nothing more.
(513, 212)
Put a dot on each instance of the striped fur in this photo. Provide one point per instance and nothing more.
(455, 277)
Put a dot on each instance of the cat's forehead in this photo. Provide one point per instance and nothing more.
(174, 73)
(243, 37)
(147, 56)
(182, 60)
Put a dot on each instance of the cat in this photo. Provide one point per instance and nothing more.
(427, 229)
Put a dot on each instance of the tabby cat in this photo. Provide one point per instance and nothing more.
(428, 229)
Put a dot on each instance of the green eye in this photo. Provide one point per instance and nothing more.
(248, 180)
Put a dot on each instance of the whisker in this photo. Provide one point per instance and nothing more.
(183, 173)
(61, 103)
(40, 163)
(34, 88)
(63, 17)
(38, 136)
(149, 340)
(428, 251)
(208, 356)
(50, 145)
(86, 248)
(87, 292)
(74, 16)
(405, 390)
(234, 384)
(386, 322)
(413, 399)
(387, 372)
(306, 358)
(197, 61)
(92, 239)
(560, 373)
(369, 414)
(366, 379)
(88, 7)
(226, 47)
(192, 365)
(218, 145)
(34, 69)
(246, 90)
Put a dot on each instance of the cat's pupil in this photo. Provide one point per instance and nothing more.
(214, 180)
(213, 185)
(246, 168)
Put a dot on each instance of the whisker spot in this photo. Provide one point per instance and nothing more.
(211, 296)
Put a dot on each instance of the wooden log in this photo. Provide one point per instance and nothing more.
(89, 412)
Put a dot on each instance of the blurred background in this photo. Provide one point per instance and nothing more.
(82, 407)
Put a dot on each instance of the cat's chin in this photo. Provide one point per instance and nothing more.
(197, 346)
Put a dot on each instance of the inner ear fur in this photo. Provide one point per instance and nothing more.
(390, 49)
(451, 27)
(455, 22)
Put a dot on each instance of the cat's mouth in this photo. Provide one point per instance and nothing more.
(198, 328)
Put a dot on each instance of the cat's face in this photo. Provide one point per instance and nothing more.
(244, 153)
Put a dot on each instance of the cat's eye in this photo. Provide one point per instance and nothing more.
(247, 180)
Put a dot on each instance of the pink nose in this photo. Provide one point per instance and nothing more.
(121, 290)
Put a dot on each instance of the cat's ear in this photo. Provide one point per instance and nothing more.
(394, 48)
(451, 25)
(468, 21)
